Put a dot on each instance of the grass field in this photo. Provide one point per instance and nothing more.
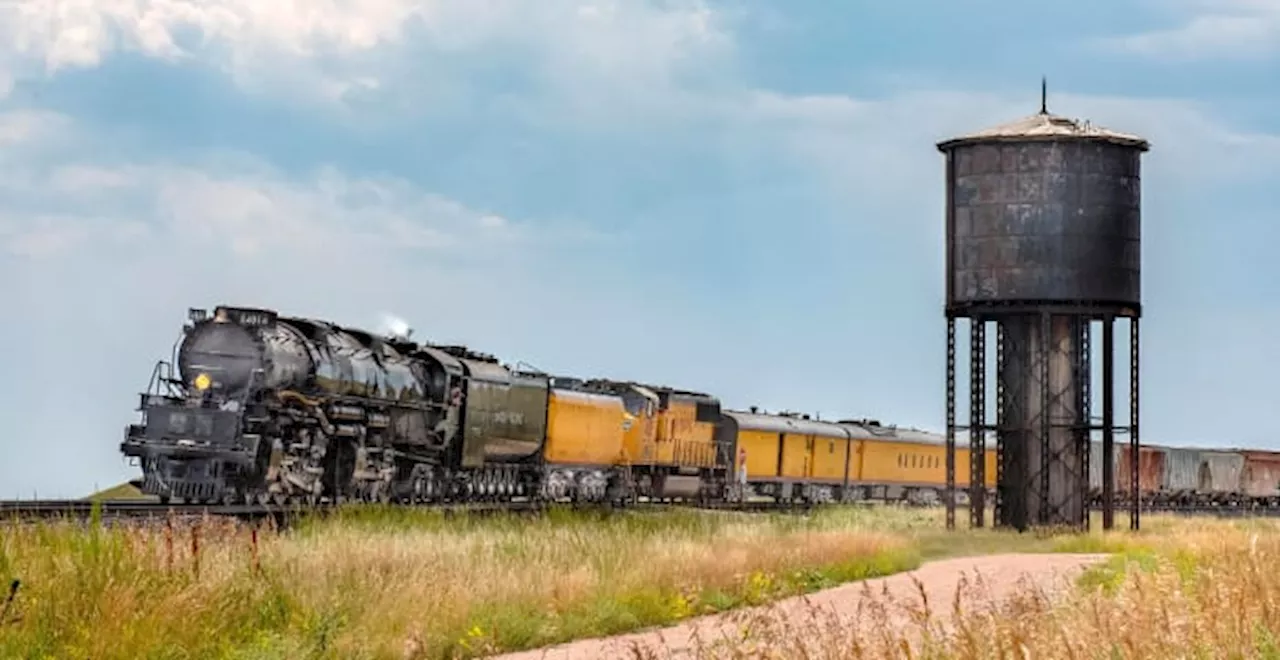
(1181, 589)
(396, 584)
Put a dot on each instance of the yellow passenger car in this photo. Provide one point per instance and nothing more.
(791, 456)
(910, 464)
(788, 456)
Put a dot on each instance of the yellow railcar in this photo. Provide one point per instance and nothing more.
(640, 437)
(686, 426)
(910, 464)
(787, 455)
(792, 456)
(585, 428)
(903, 462)
(830, 458)
(668, 447)
(640, 443)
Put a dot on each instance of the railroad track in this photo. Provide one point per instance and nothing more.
(1215, 511)
(116, 509)
(142, 509)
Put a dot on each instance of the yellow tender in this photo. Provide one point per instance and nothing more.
(585, 428)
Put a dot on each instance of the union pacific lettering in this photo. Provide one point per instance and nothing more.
(514, 417)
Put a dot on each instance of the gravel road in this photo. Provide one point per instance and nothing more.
(866, 609)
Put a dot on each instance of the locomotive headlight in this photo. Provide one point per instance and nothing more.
(202, 382)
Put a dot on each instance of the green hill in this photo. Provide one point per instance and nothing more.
(125, 491)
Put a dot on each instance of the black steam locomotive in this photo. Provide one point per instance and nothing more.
(265, 408)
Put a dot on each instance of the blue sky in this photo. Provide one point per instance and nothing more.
(739, 197)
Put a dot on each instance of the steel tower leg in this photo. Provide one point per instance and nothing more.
(977, 421)
(1134, 444)
(1108, 424)
(1084, 382)
(951, 422)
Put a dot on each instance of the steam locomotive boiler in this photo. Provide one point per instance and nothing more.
(270, 408)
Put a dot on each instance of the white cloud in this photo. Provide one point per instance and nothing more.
(54, 199)
(1244, 29)
(28, 126)
(334, 47)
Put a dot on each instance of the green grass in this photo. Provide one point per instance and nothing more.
(124, 491)
(383, 583)
(386, 582)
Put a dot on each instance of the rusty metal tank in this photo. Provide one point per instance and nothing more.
(1045, 209)
(1043, 236)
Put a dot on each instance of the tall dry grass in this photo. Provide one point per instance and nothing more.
(1184, 589)
(392, 584)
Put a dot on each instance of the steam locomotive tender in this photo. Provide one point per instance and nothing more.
(266, 408)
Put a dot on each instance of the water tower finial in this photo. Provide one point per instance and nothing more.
(1044, 95)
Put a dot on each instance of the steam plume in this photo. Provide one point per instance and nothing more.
(395, 326)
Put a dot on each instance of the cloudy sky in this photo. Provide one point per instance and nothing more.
(741, 197)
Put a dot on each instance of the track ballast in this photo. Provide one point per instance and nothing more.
(281, 513)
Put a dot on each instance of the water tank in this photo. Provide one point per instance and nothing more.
(1045, 210)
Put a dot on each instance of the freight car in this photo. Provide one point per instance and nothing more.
(1189, 476)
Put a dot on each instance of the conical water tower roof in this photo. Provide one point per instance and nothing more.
(1042, 127)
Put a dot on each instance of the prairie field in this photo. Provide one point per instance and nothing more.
(386, 583)
(1182, 588)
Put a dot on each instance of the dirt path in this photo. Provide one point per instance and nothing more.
(860, 605)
